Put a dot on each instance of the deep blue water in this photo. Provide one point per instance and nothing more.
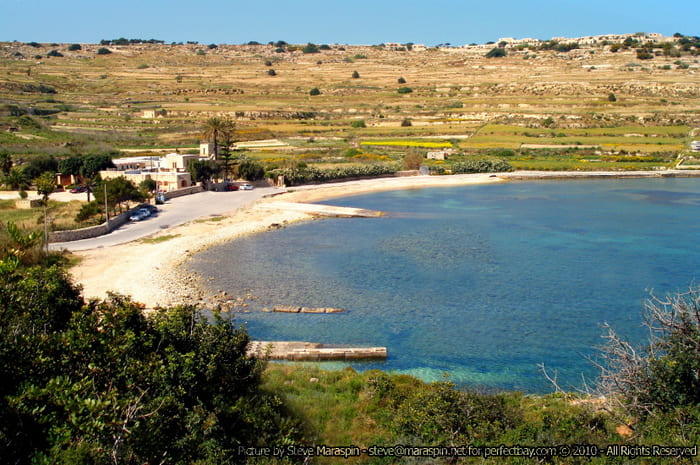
(481, 282)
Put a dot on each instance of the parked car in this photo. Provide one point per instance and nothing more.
(247, 187)
(231, 187)
(138, 216)
(78, 190)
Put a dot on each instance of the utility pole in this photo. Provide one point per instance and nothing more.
(106, 211)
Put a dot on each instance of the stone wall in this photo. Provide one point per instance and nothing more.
(93, 231)
(181, 192)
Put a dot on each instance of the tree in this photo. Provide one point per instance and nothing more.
(36, 166)
(664, 375)
(90, 170)
(119, 190)
(103, 51)
(45, 185)
(74, 47)
(70, 165)
(16, 179)
(251, 170)
(5, 162)
(203, 170)
(215, 128)
(148, 186)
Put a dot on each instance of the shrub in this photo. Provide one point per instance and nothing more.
(305, 175)
(355, 75)
(612, 97)
(74, 47)
(643, 54)
(360, 56)
(412, 160)
(103, 51)
(402, 80)
(310, 48)
(34, 44)
(87, 211)
(315, 91)
(54, 53)
(486, 165)
(404, 90)
(663, 376)
(406, 123)
(271, 72)
(497, 53)
(358, 124)
(268, 63)
(142, 66)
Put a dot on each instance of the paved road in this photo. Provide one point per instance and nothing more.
(173, 213)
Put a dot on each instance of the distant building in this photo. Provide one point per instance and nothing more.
(440, 154)
(152, 114)
(206, 150)
(695, 146)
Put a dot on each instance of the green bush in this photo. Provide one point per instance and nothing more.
(355, 75)
(404, 90)
(310, 48)
(87, 211)
(484, 165)
(74, 47)
(496, 53)
(315, 91)
(54, 53)
(102, 382)
(358, 124)
(306, 175)
(103, 51)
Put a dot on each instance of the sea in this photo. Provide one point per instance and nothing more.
(481, 285)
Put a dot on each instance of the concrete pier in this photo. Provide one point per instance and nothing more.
(310, 351)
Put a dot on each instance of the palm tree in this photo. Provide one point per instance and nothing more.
(216, 128)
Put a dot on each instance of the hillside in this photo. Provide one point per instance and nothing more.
(156, 95)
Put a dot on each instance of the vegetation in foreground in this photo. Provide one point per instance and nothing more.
(101, 382)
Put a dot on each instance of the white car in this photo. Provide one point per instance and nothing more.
(247, 187)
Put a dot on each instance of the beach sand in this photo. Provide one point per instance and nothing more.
(149, 270)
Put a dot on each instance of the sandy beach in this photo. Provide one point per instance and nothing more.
(149, 269)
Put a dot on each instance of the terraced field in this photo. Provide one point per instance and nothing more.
(542, 105)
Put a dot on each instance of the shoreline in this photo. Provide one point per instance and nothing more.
(150, 270)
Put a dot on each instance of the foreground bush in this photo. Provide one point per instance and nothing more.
(100, 382)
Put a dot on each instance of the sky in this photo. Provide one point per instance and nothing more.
(455, 22)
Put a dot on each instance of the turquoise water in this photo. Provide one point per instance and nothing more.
(481, 282)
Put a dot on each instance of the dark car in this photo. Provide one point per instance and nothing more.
(78, 190)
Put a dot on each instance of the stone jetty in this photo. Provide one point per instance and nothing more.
(297, 309)
(312, 351)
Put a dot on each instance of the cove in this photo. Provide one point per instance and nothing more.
(480, 282)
